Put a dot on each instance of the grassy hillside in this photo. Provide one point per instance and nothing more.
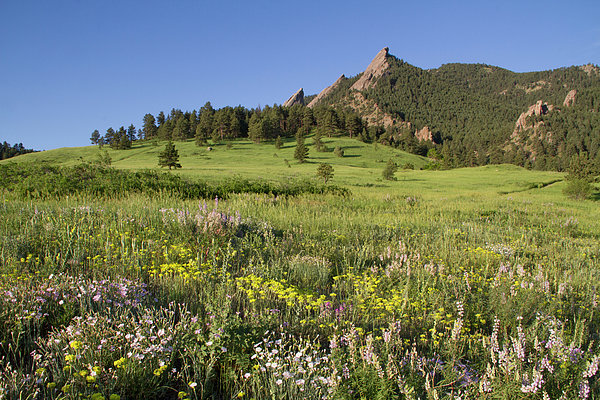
(361, 164)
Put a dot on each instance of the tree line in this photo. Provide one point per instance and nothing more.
(258, 124)
(8, 151)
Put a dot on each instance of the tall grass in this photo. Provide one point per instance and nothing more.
(382, 294)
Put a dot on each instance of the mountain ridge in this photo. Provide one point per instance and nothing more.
(472, 109)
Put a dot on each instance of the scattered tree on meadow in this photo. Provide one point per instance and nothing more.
(325, 171)
(338, 151)
(390, 169)
(301, 152)
(317, 140)
(169, 157)
(278, 143)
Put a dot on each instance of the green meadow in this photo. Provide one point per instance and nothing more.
(441, 284)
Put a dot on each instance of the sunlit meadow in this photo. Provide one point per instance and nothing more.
(427, 287)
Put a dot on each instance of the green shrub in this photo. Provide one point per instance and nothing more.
(578, 189)
(390, 169)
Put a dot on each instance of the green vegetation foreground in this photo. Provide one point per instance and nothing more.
(473, 283)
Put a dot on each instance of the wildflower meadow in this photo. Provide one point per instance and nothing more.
(365, 293)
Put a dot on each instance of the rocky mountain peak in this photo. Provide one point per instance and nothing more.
(326, 91)
(296, 98)
(373, 71)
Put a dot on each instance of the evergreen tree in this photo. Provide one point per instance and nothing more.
(150, 127)
(199, 137)
(325, 171)
(220, 124)
(278, 143)
(205, 123)
(95, 137)
(308, 120)
(109, 136)
(182, 127)
(390, 169)
(160, 119)
(235, 128)
(169, 157)
(131, 131)
(352, 124)
(255, 128)
(301, 152)
(317, 139)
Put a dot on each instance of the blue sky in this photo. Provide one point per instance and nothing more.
(69, 67)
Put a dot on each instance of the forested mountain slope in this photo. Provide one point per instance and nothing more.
(472, 111)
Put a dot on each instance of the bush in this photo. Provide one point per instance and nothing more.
(325, 171)
(390, 169)
(46, 181)
(578, 189)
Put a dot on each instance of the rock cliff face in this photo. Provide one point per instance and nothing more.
(424, 134)
(355, 100)
(570, 99)
(297, 98)
(326, 91)
(590, 69)
(373, 71)
(526, 130)
(539, 108)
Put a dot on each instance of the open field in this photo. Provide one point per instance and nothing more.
(467, 283)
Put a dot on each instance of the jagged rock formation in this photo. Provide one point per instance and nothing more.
(539, 108)
(326, 91)
(527, 130)
(424, 134)
(570, 99)
(590, 69)
(297, 98)
(373, 71)
(368, 110)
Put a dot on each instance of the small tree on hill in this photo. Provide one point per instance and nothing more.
(169, 157)
(301, 152)
(95, 138)
(278, 143)
(390, 169)
(325, 171)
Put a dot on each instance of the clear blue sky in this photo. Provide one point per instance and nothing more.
(69, 67)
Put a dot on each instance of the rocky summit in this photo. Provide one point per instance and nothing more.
(297, 98)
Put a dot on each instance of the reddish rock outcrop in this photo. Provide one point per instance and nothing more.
(570, 99)
(590, 69)
(373, 71)
(539, 108)
(297, 98)
(424, 134)
(326, 91)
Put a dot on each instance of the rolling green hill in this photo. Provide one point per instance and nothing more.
(360, 169)
(361, 164)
